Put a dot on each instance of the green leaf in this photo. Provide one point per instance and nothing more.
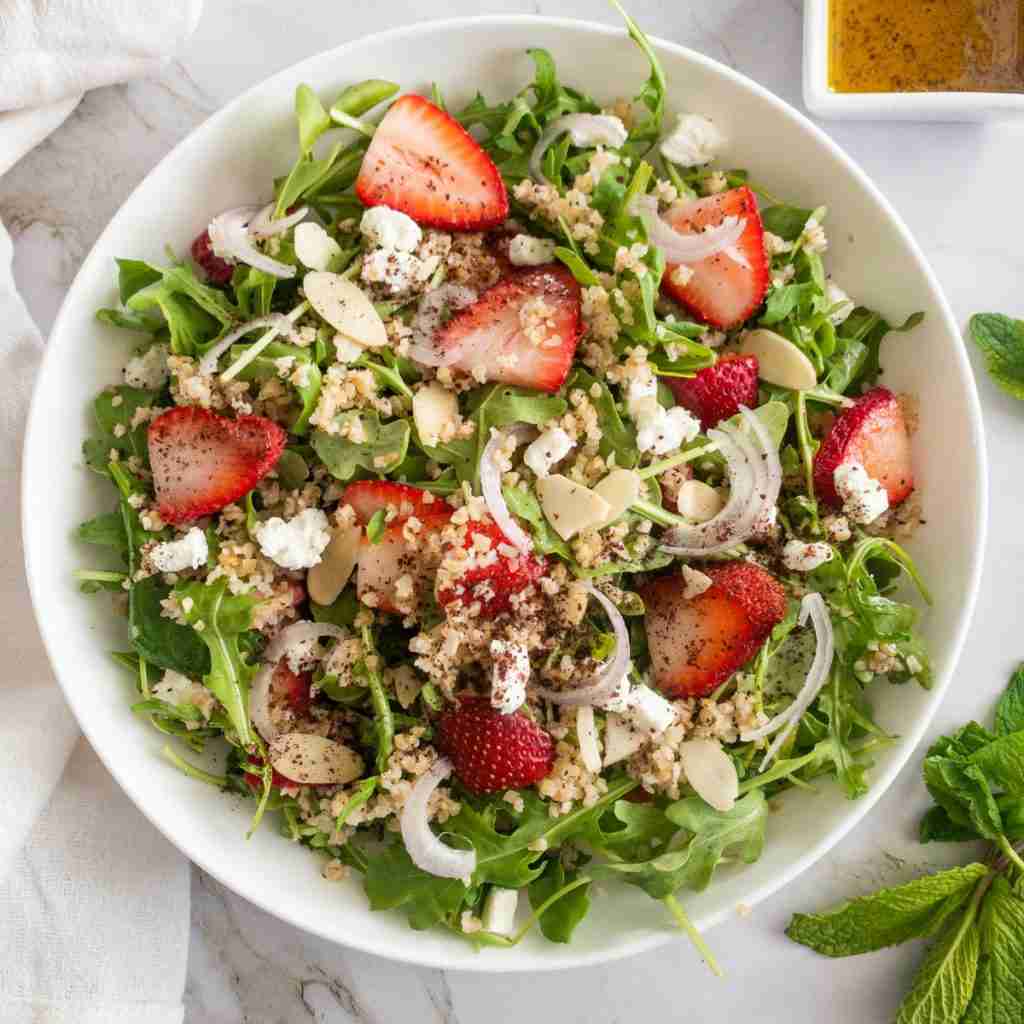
(963, 791)
(1002, 340)
(616, 436)
(161, 641)
(523, 503)
(938, 827)
(106, 531)
(292, 469)
(1010, 709)
(114, 410)
(133, 276)
(646, 129)
(999, 987)
(383, 721)
(785, 221)
(943, 986)
(313, 119)
(885, 918)
(383, 446)
(392, 881)
(868, 329)
(559, 921)
(127, 321)
(773, 415)
(1002, 760)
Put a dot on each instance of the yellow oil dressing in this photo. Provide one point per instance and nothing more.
(926, 45)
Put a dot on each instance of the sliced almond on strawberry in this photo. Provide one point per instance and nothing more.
(346, 307)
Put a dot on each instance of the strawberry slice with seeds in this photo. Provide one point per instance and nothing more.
(494, 572)
(873, 432)
(492, 752)
(717, 392)
(217, 271)
(523, 330)
(369, 496)
(696, 644)
(724, 289)
(423, 162)
(293, 688)
(202, 462)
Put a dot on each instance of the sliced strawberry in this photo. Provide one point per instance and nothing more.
(217, 271)
(278, 780)
(423, 162)
(369, 496)
(522, 330)
(291, 687)
(383, 564)
(718, 391)
(492, 751)
(724, 289)
(202, 462)
(696, 644)
(874, 433)
(494, 572)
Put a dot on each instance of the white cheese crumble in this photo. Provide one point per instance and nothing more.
(529, 251)
(665, 430)
(188, 552)
(598, 130)
(694, 141)
(390, 229)
(552, 446)
(643, 707)
(176, 689)
(148, 371)
(396, 270)
(864, 499)
(835, 296)
(511, 674)
(297, 543)
(799, 556)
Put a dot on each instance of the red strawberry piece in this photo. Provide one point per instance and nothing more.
(277, 779)
(696, 644)
(522, 330)
(717, 392)
(217, 271)
(491, 751)
(495, 571)
(423, 162)
(202, 462)
(720, 289)
(369, 496)
(293, 688)
(392, 557)
(874, 433)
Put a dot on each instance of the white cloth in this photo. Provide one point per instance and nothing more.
(94, 903)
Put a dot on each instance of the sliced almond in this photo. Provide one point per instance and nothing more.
(346, 307)
(314, 760)
(622, 739)
(434, 407)
(570, 507)
(779, 361)
(406, 683)
(711, 772)
(620, 488)
(698, 501)
(314, 247)
(326, 580)
(586, 736)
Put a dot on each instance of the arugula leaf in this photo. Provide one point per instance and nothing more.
(999, 987)
(868, 329)
(646, 129)
(313, 119)
(114, 410)
(522, 502)
(616, 436)
(393, 881)
(1001, 338)
(785, 221)
(773, 415)
(1010, 709)
(383, 721)
(887, 917)
(106, 530)
(383, 447)
(559, 921)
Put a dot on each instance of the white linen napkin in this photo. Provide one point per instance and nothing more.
(94, 903)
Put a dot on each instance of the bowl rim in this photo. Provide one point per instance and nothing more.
(948, 105)
(881, 783)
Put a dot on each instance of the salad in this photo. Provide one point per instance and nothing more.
(509, 504)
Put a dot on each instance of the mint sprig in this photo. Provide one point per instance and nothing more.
(974, 914)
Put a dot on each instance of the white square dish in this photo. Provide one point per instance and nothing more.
(823, 101)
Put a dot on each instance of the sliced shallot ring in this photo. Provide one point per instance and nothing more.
(490, 485)
(259, 702)
(297, 633)
(613, 133)
(605, 682)
(278, 321)
(229, 236)
(426, 851)
(263, 225)
(428, 319)
(812, 607)
(686, 248)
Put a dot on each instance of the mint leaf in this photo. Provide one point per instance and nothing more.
(1003, 761)
(938, 827)
(963, 791)
(1002, 340)
(999, 988)
(559, 921)
(885, 918)
(943, 986)
(1010, 709)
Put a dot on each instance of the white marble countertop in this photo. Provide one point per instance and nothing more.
(952, 184)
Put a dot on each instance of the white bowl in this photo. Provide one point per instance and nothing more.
(825, 102)
(231, 159)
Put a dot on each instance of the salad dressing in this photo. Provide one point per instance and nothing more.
(926, 45)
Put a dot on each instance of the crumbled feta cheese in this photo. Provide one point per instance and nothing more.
(837, 528)
(665, 430)
(500, 911)
(529, 251)
(552, 446)
(643, 707)
(642, 394)
(694, 583)
(510, 676)
(695, 140)
(390, 229)
(844, 305)
(188, 552)
(864, 499)
(176, 689)
(798, 556)
(297, 543)
(346, 350)
(396, 270)
(148, 371)
(599, 130)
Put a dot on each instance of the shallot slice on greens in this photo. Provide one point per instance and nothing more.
(426, 851)
(680, 247)
(584, 130)
(490, 485)
(231, 239)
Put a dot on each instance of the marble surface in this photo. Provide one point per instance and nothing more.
(950, 182)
